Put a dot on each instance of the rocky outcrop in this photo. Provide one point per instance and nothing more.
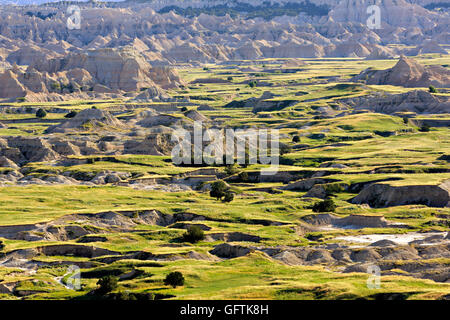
(418, 101)
(407, 73)
(154, 94)
(226, 250)
(263, 103)
(385, 195)
(75, 250)
(7, 163)
(306, 184)
(153, 144)
(233, 237)
(88, 119)
(351, 221)
(362, 221)
(31, 149)
(195, 116)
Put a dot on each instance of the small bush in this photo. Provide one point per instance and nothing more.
(184, 109)
(2, 245)
(71, 114)
(231, 169)
(229, 196)
(41, 113)
(432, 89)
(243, 176)
(124, 296)
(424, 128)
(296, 139)
(107, 284)
(174, 279)
(252, 84)
(230, 78)
(405, 120)
(218, 189)
(194, 234)
(327, 205)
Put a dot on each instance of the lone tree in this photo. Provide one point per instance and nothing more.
(174, 279)
(107, 284)
(296, 139)
(41, 113)
(218, 189)
(194, 234)
(327, 205)
(432, 89)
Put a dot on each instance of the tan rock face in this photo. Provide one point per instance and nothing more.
(103, 71)
(383, 195)
(417, 101)
(10, 87)
(407, 73)
(123, 69)
(88, 118)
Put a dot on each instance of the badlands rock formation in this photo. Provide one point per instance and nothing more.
(88, 118)
(383, 195)
(123, 47)
(103, 71)
(407, 73)
(418, 101)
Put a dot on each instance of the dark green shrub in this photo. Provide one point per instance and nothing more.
(2, 245)
(229, 196)
(296, 139)
(231, 169)
(71, 114)
(41, 113)
(424, 128)
(405, 120)
(218, 189)
(432, 89)
(194, 234)
(184, 109)
(174, 279)
(124, 296)
(327, 205)
(243, 176)
(107, 284)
